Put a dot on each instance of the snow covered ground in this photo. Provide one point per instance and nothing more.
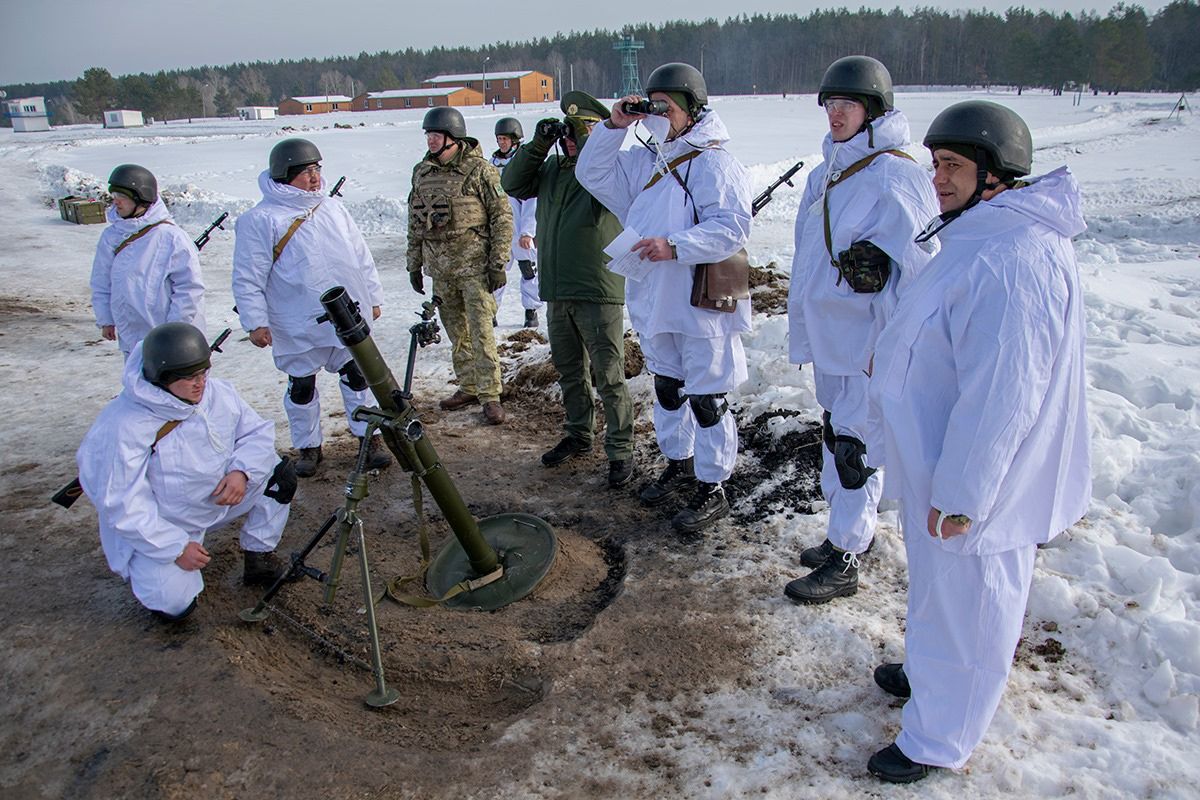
(1117, 717)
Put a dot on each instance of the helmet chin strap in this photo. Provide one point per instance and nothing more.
(981, 186)
(447, 140)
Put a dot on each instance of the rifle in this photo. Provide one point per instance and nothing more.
(202, 239)
(761, 201)
(67, 495)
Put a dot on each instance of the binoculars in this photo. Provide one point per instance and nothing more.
(553, 129)
(656, 107)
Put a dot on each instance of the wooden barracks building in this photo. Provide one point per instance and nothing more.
(516, 86)
(469, 89)
(318, 104)
(417, 98)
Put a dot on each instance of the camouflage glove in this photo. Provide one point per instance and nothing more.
(417, 280)
(495, 278)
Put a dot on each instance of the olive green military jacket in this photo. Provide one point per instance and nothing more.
(573, 228)
(459, 221)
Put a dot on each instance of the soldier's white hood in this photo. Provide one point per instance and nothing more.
(159, 402)
(889, 132)
(157, 212)
(288, 196)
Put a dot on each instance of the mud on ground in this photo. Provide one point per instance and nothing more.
(104, 701)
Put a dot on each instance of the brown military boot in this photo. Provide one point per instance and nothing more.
(493, 412)
(459, 399)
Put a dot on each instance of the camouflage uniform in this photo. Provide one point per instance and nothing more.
(460, 228)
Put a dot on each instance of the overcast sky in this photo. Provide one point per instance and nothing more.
(47, 40)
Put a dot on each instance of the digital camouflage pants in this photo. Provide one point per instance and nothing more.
(466, 312)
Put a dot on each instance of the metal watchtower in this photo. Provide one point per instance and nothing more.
(627, 46)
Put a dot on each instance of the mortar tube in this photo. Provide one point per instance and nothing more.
(353, 332)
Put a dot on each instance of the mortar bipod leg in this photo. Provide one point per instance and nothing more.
(383, 695)
(259, 612)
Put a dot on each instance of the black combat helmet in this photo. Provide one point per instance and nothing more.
(683, 78)
(989, 127)
(291, 153)
(509, 126)
(137, 182)
(172, 351)
(447, 120)
(861, 77)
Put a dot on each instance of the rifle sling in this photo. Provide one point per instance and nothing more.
(854, 168)
(133, 237)
(167, 427)
(671, 165)
(296, 223)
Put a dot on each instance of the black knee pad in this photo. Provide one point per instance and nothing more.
(708, 408)
(528, 270)
(670, 392)
(302, 390)
(849, 458)
(352, 376)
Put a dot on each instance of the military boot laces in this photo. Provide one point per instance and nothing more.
(837, 577)
(679, 474)
(707, 505)
(813, 557)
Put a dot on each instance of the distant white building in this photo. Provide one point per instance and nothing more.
(28, 114)
(256, 112)
(123, 118)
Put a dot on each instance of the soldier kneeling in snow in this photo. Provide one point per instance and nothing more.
(174, 456)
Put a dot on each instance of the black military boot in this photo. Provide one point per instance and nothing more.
(377, 457)
(569, 447)
(531, 319)
(620, 472)
(837, 577)
(679, 474)
(163, 616)
(707, 506)
(891, 678)
(306, 465)
(813, 557)
(891, 765)
(262, 569)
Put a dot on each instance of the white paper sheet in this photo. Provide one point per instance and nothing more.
(624, 260)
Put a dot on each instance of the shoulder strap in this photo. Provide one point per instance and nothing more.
(167, 427)
(133, 237)
(287, 237)
(838, 177)
(671, 166)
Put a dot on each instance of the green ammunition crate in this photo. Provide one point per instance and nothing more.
(81, 210)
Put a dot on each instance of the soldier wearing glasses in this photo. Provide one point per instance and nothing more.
(854, 257)
(175, 455)
(294, 245)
